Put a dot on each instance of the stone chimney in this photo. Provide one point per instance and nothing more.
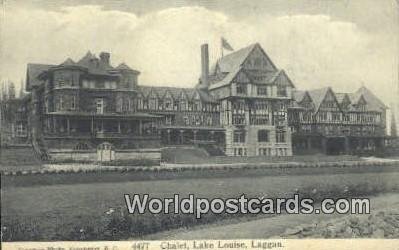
(204, 65)
(104, 57)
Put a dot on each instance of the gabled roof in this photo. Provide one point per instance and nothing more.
(298, 95)
(373, 102)
(33, 71)
(281, 73)
(124, 66)
(354, 97)
(176, 92)
(68, 62)
(232, 64)
(227, 79)
(318, 96)
(233, 60)
(341, 97)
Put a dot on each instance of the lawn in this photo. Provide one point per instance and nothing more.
(58, 212)
(18, 158)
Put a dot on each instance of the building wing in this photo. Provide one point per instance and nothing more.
(33, 72)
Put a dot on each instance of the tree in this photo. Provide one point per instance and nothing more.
(11, 90)
(394, 131)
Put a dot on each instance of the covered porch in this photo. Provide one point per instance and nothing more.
(95, 126)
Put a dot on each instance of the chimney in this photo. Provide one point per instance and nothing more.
(104, 57)
(204, 65)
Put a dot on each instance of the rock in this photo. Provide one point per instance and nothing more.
(293, 231)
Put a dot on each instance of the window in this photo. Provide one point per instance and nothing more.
(81, 146)
(20, 130)
(280, 136)
(153, 104)
(73, 102)
(258, 61)
(281, 91)
(322, 116)
(176, 105)
(197, 105)
(168, 120)
(128, 104)
(46, 105)
(241, 89)
(186, 120)
(160, 104)
(100, 84)
(61, 103)
(263, 136)
(262, 90)
(99, 105)
(335, 117)
(168, 104)
(119, 104)
(145, 104)
(239, 136)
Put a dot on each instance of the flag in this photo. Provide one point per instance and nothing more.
(226, 45)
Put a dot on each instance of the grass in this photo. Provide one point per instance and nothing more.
(98, 175)
(58, 212)
(18, 158)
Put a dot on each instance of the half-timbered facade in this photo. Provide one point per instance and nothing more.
(243, 105)
(334, 123)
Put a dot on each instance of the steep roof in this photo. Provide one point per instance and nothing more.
(176, 92)
(227, 79)
(298, 95)
(340, 97)
(232, 64)
(318, 96)
(33, 71)
(373, 102)
(68, 62)
(233, 60)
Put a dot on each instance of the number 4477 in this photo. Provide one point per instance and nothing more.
(140, 246)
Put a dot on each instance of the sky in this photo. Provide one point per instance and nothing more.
(339, 43)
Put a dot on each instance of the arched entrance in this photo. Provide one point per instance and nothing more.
(105, 152)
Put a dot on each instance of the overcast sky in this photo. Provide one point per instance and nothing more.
(338, 43)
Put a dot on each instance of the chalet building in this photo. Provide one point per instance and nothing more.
(254, 96)
(242, 106)
(334, 123)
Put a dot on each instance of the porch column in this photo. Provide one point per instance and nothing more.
(119, 126)
(140, 127)
(212, 135)
(68, 126)
(346, 145)
(309, 142)
(92, 125)
(324, 144)
(181, 136)
(195, 135)
(168, 136)
(54, 124)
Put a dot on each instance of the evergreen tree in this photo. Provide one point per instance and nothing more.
(21, 90)
(11, 90)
